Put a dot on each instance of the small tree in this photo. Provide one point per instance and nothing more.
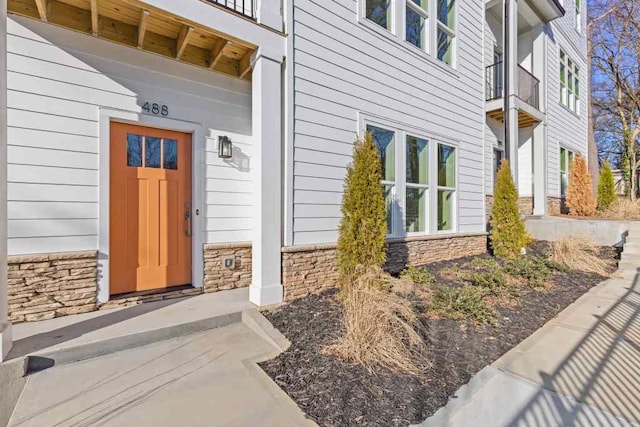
(508, 234)
(363, 228)
(606, 187)
(580, 200)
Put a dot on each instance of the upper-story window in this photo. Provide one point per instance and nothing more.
(578, 15)
(428, 25)
(569, 83)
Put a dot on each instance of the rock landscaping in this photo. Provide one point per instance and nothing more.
(472, 310)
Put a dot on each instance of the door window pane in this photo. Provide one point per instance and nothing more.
(447, 12)
(134, 150)
(417, 158)
(445, 47)
(446, 166)
(416, 209)
(445, 210)
(152, 152)
(379, 11)
(415, 28)
(170, 155)
(385, 140)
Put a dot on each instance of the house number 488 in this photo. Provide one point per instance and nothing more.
(155, 109)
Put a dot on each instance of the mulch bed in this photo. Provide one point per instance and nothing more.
(336, 393)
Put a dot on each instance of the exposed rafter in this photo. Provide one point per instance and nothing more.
(42, 9)
(94, 17)
(183, 40)
(245, 65)
(216, 52)
(142, 27)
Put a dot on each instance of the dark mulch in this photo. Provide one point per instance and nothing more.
(335, 393)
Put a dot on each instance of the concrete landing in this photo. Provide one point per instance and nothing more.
(79, 337)
(204, 379)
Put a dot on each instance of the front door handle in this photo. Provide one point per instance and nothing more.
(187, 217)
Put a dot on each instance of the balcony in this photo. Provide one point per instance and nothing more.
(527, 91)
(246, 8)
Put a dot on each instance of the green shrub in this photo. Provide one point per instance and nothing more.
(534, 270)
(418, 275)
(488, 263)
(363, 227)
(491, 280)
(462, 303)
(508, 234)
(606, 187)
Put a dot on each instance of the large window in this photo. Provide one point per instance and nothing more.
(578, 15)
(419, 181)
(566, 160)
(428, 25)
(569, 83)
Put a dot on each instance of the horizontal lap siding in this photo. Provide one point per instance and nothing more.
(57, 82)
(564, 127)
(342, 68)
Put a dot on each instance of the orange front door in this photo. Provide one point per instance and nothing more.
(150, 204)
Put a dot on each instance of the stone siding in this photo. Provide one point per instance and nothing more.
(555, 206)
(312, 269)
(216, 276)
(525, 205)
(51, 285)
(152, 296)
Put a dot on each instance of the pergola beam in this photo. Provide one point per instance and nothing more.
(245, 65)
(42, 9)
(142, 27)
(94, 17)
(183, 40)
(216, 52)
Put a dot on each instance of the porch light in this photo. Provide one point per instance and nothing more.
(225, 148)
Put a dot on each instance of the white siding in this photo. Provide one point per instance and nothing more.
(57, 82)
(343, 68)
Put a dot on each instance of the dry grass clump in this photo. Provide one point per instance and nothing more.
(380, 326)
(622, 209)
(579, 253)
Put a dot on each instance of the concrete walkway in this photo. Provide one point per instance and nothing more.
(582, 368)
(204, 379)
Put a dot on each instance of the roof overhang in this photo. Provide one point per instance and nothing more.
(547, 10)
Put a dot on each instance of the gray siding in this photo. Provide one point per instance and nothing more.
(342, 69)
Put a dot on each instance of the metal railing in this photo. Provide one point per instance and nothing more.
(243, 7)
(528, 86)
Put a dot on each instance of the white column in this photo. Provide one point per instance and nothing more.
(270, 14)
(539, 132)
(266, 287)
(5, 326)
(510, 34)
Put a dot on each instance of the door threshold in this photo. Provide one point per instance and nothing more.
(135, 298)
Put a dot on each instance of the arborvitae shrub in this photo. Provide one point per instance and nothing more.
(508, 234)
(606, 187)
(363, 228)
(580, 200)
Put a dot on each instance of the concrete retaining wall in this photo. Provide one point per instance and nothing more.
(604, 232)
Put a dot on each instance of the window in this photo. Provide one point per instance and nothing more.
(417, 184)
(428, 25)
(152, 152)
(385, 140)
(578, 15)
(446, 186)
(419, 181)
(134, 150)
(569, 83)
(566, 161)
(498, 156)
(380, 12)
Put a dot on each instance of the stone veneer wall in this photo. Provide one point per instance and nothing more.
(554, 205)
(51, 285)
(312, 269)
(216, 276)
(525, 205)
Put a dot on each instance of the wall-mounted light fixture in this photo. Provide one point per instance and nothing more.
(225, 147)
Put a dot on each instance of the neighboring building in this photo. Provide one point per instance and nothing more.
(120, 113)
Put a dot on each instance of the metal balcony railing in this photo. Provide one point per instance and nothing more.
(528, 86)
(243, 7)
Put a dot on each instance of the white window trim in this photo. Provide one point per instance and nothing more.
(569, 95)
(397, 32)
(398, 212)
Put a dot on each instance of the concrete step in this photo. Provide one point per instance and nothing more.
(628, 266)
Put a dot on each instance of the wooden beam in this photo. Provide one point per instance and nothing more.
(245, 65)
(183, 40)
(42, 9)
(94, 17)
(142, 27)
(216, 52)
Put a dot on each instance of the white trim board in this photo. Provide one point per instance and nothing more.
(198, 141)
